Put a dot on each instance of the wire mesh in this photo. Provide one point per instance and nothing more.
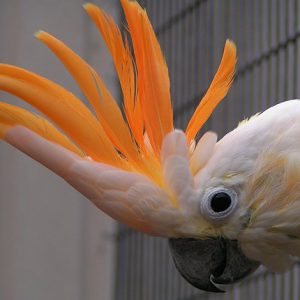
(192, 34)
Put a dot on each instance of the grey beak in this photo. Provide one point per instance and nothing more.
(204, 263)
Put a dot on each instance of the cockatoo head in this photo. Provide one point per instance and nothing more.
(204, 196)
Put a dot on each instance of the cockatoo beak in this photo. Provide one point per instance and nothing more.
(210, 262)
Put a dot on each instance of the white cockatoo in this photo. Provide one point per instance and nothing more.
(226, 206)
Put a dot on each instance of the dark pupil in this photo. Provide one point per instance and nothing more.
(220, 202)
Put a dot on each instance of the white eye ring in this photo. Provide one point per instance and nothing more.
(218, 204)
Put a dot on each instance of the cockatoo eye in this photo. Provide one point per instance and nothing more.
(218, 204)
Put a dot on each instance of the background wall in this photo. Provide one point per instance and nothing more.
(192, 34)
(53, 243)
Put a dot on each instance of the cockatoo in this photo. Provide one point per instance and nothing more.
(226, 206)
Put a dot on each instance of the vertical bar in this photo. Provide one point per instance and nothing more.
(273, 61)
(121, 266)
(290, 19)
(247, 91)
(264, 48)
(237, 33)
(277, 287)
(260, 287)
(297, 53)
(244, 94)
(139, 265)
(271, 286)
(176, 36)
(218, 44)
(129, 267)
(185, 62)
(152, 269)
(251, 288)
(282, 81)
(132, 252)
(296, 282)
(255, 102)
(226, 108)
(287, 284)
(172, 59)
(164, 270)
(145, 269)
(296, 48)
(239, 93)
(193, 57)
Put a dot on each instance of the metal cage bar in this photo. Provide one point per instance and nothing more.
(192, 34)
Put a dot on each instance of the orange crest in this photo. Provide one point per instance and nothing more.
(134, 143)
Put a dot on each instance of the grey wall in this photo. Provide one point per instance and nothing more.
(53, 243)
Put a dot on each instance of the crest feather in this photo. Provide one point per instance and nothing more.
(153, 77)
(63, 108)
(217, 90)
(105, 106)
(124, 65)
(11, 116)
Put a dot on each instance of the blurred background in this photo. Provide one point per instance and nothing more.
(54, 243)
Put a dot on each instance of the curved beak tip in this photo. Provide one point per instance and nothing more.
(210, 262)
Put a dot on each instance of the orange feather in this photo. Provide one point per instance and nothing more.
(217, 90)
(124, 65)
(11, 116)
(63, 108)
(93, 88)
(133, 145)
(153, 77)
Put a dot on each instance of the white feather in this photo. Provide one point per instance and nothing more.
(174, 143)
(203, 151)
